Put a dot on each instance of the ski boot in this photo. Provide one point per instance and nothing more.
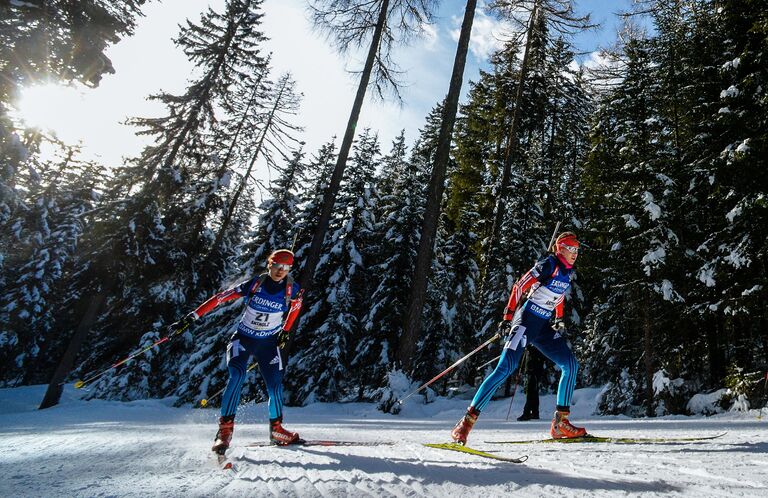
(563, 429)
(279, 436)
(528, 416)
(224, 434)
(461, 431)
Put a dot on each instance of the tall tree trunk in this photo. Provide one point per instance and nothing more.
(329, 199)
(241, 187)
(412, 325)
(509, 154)
(55, 387)
(240, 124)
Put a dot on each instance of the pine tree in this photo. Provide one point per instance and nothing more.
(546, 16)
(60, 40)
(323, 369)
(35, 300)
(724, 208)
(636, 233)
(400, 188)
(146, 255)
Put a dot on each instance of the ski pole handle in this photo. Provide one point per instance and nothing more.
(459, 362)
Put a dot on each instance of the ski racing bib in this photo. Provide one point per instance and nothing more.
(264, 315)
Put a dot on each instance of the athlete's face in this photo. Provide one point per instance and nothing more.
(569, 253)
(277, 272)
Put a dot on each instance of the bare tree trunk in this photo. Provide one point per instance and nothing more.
(329, 199)
(55, 387)
(509, 154)
(241, 187)
(412, 325)
(230, 150)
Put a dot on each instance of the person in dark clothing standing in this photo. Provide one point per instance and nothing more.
(534, 371)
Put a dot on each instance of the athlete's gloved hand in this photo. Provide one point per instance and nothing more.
(559, 325)
(505, 329)
(184, 323)
(282, 338)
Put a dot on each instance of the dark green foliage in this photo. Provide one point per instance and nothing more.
(657, 162)
(682, 290)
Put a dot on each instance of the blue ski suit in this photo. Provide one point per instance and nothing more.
(546, 284)
(269, 310)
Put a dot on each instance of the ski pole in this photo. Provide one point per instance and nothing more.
(204, 401)
(523, 363)
(488, 363)
(459, 362)
(554, 234)
(81, 383)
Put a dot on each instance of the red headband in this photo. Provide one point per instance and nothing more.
(281, 257)
(568, 240)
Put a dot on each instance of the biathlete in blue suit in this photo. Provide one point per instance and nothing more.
(273, 302)
(527, 320)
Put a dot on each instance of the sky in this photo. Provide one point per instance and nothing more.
(149, 62)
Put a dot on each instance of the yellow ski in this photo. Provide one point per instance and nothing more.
(464, 449)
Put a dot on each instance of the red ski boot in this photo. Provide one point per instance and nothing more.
(279, 436)
(563, 429)
(461, 431)
(224, 434)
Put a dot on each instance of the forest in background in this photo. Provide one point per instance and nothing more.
(656, 159)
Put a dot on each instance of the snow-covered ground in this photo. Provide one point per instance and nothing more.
(149, 448)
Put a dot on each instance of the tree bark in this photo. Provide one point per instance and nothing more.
(55, 387)
(412, 325)
(329, 199)
(512, 146)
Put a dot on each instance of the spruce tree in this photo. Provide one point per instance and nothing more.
(36, 297)
(146, 254)
(322, 371)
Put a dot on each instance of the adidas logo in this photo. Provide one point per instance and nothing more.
(275, 360)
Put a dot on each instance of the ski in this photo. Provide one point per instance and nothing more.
(224, 462)
(320, 442)
(464, 449)
(619, 440)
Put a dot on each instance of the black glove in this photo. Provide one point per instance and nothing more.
(559, 325)
(282, 338)
(505, 329)
(183, 324)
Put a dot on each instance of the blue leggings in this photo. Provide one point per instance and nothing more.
(239, 351)
(540, 334)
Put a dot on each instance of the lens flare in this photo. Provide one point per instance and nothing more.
(53, 108)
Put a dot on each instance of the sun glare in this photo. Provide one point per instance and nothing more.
(53, 108)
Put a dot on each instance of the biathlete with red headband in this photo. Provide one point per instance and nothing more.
(273, 302)
(527, 320)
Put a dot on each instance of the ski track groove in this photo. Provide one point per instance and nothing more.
(326, 482)
(147, 448)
